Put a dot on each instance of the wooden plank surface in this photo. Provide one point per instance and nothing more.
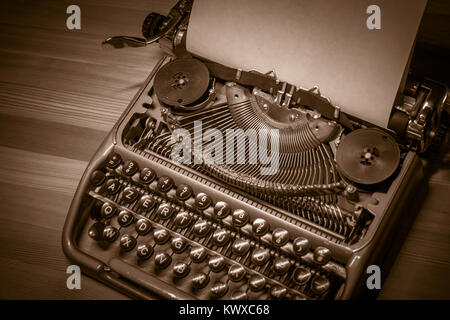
(61, 92)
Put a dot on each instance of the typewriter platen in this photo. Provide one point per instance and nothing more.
(301, 203)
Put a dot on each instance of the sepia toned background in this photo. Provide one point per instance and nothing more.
(61, 92)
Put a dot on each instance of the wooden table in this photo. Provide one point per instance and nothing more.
(61, 92)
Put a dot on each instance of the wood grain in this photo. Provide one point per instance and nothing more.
(61, 92)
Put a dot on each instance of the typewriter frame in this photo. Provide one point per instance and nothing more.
(357, 257)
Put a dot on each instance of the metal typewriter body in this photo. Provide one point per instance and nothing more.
(151, 227)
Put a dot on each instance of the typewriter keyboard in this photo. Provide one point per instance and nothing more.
(153, 230)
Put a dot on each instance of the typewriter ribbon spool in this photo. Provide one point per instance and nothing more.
(368, 156)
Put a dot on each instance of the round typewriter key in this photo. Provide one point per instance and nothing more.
(201, 228)
(260, 256)
(108, 210)
(183, 219)
(198, 254)
(112, 186)
(219, 289)
(320, 284)
(147, 175)
(202, 201)
(146, 203)
(181, 269)
(165, 183)
(162, 260)
(260, 227)
(127, 242)
(161, 236)
(96, 231)
(257, 282)
(238, 295)
(178, 245)
(184, 192)
(125, 218)
(164, 211)
(236, 272)
(301, 275)
(322, 255)
(221, 237)
(130, 167)
(113, 160)
(200, 280)
(97, 178)
(96, 211)
(277, 292)
(281, 265)
(216, 263)
(129, 194)
(144, 251)
(280, 237)
(143, 226)
(240, 247)
(222, 209)
(240, 217)
(301, 246)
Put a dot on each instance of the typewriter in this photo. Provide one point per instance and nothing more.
(162, 212)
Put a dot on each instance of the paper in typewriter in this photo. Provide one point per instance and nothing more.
(308, 43)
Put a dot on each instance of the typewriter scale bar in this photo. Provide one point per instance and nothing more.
(236, 263)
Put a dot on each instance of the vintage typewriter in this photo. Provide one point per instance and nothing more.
(154, 227)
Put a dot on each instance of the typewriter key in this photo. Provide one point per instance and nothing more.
(240, 217)
(96, 211)
(165, 184)
(184, 192)
(181, 269)
(200, 280)
(143, 226)
(219, 289)
(301, 275)
(178, 245)
(163, 260)
(97, 178)
(301, 246)
(216, 263)
(96, 231)
(147, 175)
(164, 211)
(161, 236)
(198, 254)
(108, 210)
(130, 167)
(144, 251)
(127, 242)
(130, 194)
(320, 284)
(257, 283)
(322, 255)
(260, 227)
(125, 218)
(221, 237)
(112, 186)
(201, 228)
(280, 237)
(238, 295)
(236, 272)
(281, 265)
(222, 209)
(260, 256)
(183, 219)
(278, 292)
(146, 203)
(240, 247)
(202, 201)
(113, 160)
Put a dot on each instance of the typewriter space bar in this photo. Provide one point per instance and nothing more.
(148, 281)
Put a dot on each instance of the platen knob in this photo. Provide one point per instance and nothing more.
(152, 25)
